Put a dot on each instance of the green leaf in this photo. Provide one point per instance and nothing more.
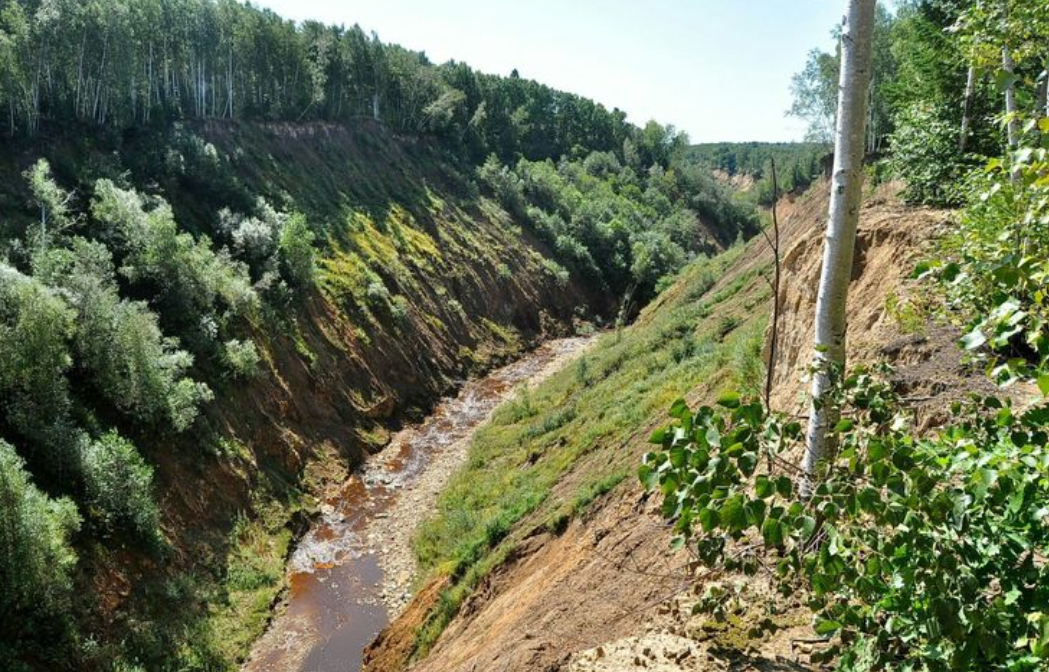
(649, 477)
(763, 487)
(732, 515)
(974, 339)
(773, 532)
(826, 626)
(1043, 384)
(748, 462)
(678, 409)
(729, 400)
(708, 519)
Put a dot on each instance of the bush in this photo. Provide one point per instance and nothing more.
(197, 289)
(242, 358)
(119, 485)
(925, 153)
(296, 251)
(400, 309)
(995, 273)
(35, 327)
(601, 164)
(916, 553)
(119, 342)
(505, 184)
(36, 559)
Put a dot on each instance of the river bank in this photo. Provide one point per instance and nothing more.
(354, 570)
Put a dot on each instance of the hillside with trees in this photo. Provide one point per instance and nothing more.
(238, 254)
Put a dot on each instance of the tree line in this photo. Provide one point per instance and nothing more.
(119, 64)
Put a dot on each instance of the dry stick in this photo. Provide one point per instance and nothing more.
(774, 243)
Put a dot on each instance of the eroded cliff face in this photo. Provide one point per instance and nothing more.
(607, 593)
(421, 282)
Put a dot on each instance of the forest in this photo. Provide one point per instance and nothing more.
(120, 64)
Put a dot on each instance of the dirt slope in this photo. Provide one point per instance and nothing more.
(607, 594)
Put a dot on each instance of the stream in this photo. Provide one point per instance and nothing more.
(354, 570)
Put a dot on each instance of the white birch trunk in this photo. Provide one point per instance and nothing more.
(1013, 124)
(967, 110)
(1045, 91)
(844, 211)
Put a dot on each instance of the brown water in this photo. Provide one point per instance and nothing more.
(335, 604)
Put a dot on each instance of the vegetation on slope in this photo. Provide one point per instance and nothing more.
(584, 415)
(181, 264)
(915, 550)
(798, 164)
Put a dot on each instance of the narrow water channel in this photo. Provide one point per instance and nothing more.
(355, 565)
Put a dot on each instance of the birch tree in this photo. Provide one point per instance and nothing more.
(967, 108)
(839, 247)
(1009, 68)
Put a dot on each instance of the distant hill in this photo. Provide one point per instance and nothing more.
(797, 163)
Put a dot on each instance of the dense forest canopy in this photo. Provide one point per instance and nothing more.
(118, 64)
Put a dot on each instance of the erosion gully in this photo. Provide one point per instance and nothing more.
(354, 566)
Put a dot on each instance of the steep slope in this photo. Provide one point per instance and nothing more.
(421, 282)
(585, 581)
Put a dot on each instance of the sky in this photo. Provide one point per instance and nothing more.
(718, 69)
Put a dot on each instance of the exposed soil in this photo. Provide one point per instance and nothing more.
(355, 567)
(608, 594)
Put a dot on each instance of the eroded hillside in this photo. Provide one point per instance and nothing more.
(585, 580)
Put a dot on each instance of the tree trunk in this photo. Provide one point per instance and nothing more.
(844, 211)
(1013, 124)
(1045, 90)
(967, 109)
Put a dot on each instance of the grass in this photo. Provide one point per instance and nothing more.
(254, 578)
(599, 405)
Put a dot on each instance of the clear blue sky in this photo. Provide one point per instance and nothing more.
(719, 69)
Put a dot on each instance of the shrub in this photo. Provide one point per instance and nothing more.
(505, 184)
(36, 559)
(601, 164)
(995, 273)
(119, 342)
(193, 285)
(376, 294)
(52, 203)
(119, 486)
(400, 309)
(242, 358)
(296, 251)
(35, 327)
(916, 553)
(925, 153)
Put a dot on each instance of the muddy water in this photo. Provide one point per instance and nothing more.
(339, 595)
